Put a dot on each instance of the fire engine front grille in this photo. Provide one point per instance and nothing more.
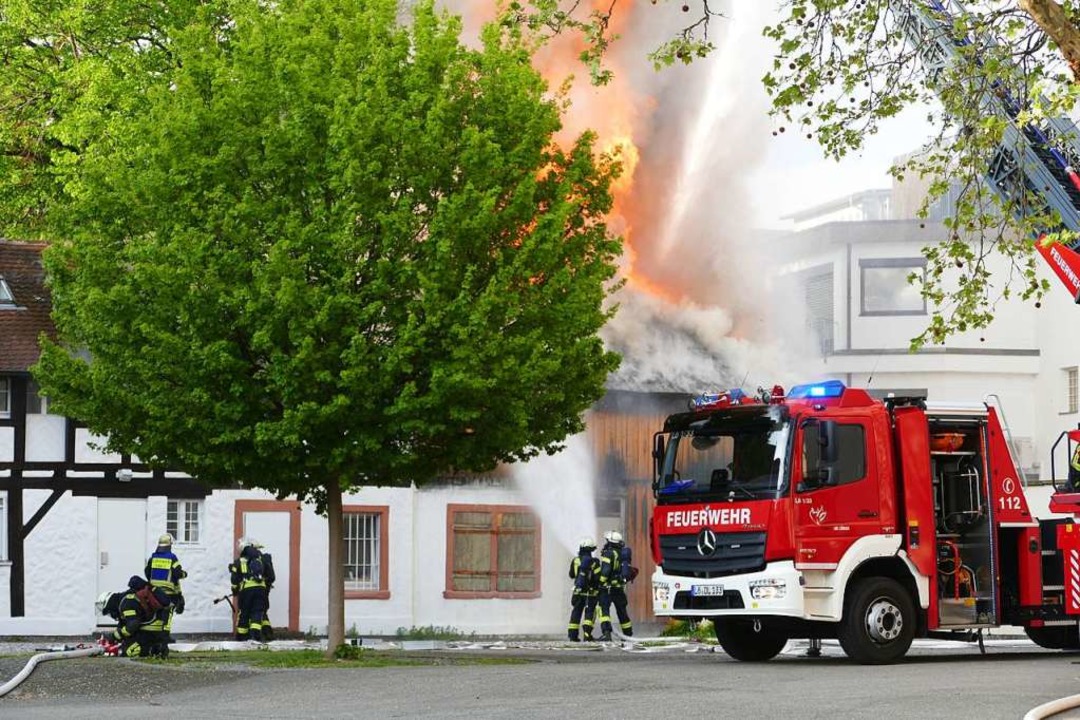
(734, 553)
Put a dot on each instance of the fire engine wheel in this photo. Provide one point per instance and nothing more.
(1055, 637)
(750, 639)
(879, 622)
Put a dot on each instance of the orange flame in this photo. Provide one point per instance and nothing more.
(615, 112)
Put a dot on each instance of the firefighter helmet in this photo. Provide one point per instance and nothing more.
(613, 537)
(587, 543)
(103, 598)
(242, 543)
(165, 540)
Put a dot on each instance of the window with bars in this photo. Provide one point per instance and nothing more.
(183, 520)
(492, 551)
(1072, 400)
(366, 552)
(5, 397)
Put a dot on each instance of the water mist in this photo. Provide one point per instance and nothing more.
(561, 489)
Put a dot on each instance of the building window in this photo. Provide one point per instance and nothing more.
(5, 397)
(36, 403)
(3, 527)
(492, 551)
(1072, 402)
(6, 297)
(183, 520)
(366, 552)
(819, 308)
(886, 289)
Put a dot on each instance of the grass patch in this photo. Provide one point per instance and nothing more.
(349, 657)
(433, 632)
(701, 631)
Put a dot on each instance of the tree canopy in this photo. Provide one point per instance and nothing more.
(307, 245)
(324, 245)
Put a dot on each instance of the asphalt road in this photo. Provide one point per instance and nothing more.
(937, 680)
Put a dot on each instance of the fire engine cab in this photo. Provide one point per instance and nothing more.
(825, 513)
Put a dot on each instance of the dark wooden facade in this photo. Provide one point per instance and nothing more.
(621, 429)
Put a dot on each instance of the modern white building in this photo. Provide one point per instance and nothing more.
(846, 285)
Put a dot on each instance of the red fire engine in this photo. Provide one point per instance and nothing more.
(826, 513)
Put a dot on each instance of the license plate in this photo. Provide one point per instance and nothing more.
(704, 590)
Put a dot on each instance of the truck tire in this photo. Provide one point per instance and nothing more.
(879, 621)
(1055, 637)
(749, 640)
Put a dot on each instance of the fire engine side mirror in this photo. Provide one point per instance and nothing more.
(830, 452)
(658, 454)
(819, 477)
(827, 476)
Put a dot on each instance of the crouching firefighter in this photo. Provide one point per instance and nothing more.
(615, 572)
(249, 585)
(140, 629)
(585, 572)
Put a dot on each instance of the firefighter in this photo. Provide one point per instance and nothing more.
(164, 573)
(249, 585)
(615, 572)
(1074, 470)
(584, 571)
(141, 628)
(271, 577)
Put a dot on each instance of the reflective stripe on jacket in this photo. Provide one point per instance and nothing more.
(247, 578)
(609, 567)
(163, 571)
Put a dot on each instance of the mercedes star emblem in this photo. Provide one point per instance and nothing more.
(706, 542)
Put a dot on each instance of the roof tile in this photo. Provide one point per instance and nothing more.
(21, 325)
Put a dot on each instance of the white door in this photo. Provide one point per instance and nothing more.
(272, 530)
(121, 527)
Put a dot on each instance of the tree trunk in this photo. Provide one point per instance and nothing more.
(1050, 16)
(335, 626)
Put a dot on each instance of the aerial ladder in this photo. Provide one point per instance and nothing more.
(1034, 165)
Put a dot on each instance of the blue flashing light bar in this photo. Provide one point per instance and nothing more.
(827, 389)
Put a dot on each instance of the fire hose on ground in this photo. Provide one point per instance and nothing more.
(1053, 708)
(44, 657)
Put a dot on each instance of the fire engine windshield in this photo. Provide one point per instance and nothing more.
(729, 455)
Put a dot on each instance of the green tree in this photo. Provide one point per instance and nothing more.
(843, 66)
(65, 67)
(323, 249)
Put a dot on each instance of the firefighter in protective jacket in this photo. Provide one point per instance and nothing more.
(140, 629)
(249, 585)
(615, 573)
(270, 577)
(164, 573)
(584, 571)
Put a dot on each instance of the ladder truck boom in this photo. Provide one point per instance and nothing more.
(1030, 160)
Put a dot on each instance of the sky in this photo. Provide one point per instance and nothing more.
(795, 175)
(792, 173)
